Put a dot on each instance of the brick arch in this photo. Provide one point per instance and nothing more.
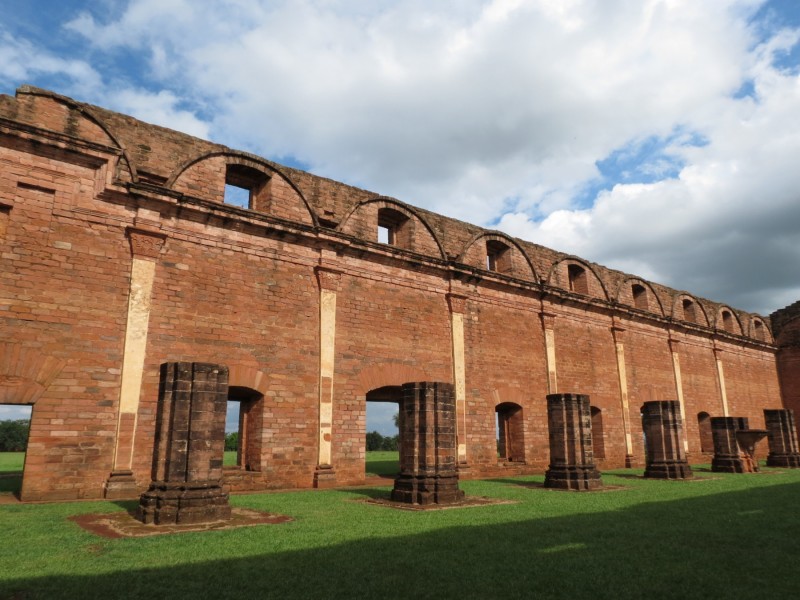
(505, 239)
(247, 377)
(25, 373)
(402, 207)
(86, 112)
(624, 289)
(701, 313)
(751, 326)
(395, 374)
(235, 157)
(718, 324)
(553, 275)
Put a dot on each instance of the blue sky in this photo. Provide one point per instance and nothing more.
(659, 137)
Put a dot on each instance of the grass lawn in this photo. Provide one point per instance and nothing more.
(11, 462)
(734, 536)
(229, 459)
(383, 462)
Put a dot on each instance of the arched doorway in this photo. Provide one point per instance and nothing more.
(382, 441)
(510, 432)
(15, 422)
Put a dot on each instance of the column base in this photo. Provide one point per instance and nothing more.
(787, 461)
(179, 503)
(324, 477)
(581, 478)
(674, 469)
(120, 485)
(631, 462)
(426, 490)
(733, 464)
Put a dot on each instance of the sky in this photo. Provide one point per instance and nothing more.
(658, 137)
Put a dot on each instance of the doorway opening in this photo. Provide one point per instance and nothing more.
(243, 427)
(382, 443)
(15, 424)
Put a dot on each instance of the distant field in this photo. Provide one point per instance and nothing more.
(11, 461)
(381, 462)
(229, 460)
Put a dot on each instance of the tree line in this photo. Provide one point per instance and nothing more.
(14, 435)
(376, 441)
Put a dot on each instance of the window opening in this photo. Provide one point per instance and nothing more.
(688, 311)
(727, 321)
(246, 187)
(498, 257)
(640, 296)
(758, 331)
(577, 279)
(393, 228)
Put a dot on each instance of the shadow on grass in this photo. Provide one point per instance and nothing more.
(383, 468)
(736, 544)
(10, 483)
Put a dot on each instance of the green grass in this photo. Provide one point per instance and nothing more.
(229, 459)
(11, 461)
(731, 536)
(382, 462)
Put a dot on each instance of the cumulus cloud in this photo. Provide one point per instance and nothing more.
(654, 136)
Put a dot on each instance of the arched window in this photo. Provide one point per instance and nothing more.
(704, 427)
(393, 228)
(758, 331)
(498, 257)
(510, 432)
(578, 282)
(727, 321)
(598, 441)
(689, 311)
(640, 296)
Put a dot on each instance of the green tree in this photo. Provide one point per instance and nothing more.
(14, 435)
(232, 441)
(374, 441)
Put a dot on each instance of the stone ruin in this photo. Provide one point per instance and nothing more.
(782, 438)
(428, 469)
(187, 484)
(734, 444)
(569, 421)
(663, 431)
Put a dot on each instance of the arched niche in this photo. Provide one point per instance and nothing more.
(727, 320)
(218, 176)
(688, 309)
(638, 293)
(499, 253)
(394, 224)
(576, 276)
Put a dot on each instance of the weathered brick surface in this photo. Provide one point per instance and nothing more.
(663, 431)
(238, 287)
(571, 450)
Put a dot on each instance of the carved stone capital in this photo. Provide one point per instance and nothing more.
(458, 303)
(328, 278)
(146, 244)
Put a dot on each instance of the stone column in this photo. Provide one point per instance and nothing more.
(145, 247)
(569, 421)
(727, 455)
(548, 325)
(619, 346)
(187, 482)
(428, 469)
(666, 457)
(782, 437)
(329, 279)
(676, 370)
(458, 308)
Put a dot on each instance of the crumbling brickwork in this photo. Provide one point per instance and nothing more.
(120, 254)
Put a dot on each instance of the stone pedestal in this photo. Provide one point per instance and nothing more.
(187, 482)
(569, 421)
(663, 430)
(728, 454)
(782, 438)
(324, 477)
(428, 470)
(120, 484)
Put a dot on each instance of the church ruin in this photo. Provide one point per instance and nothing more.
(120, 254)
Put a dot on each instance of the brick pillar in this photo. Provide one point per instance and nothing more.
(782, 436)
(187, 484)
(727, 455)
(569, 421)
(428, 468)
(663, 431)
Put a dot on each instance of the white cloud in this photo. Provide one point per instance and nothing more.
(500, 111)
